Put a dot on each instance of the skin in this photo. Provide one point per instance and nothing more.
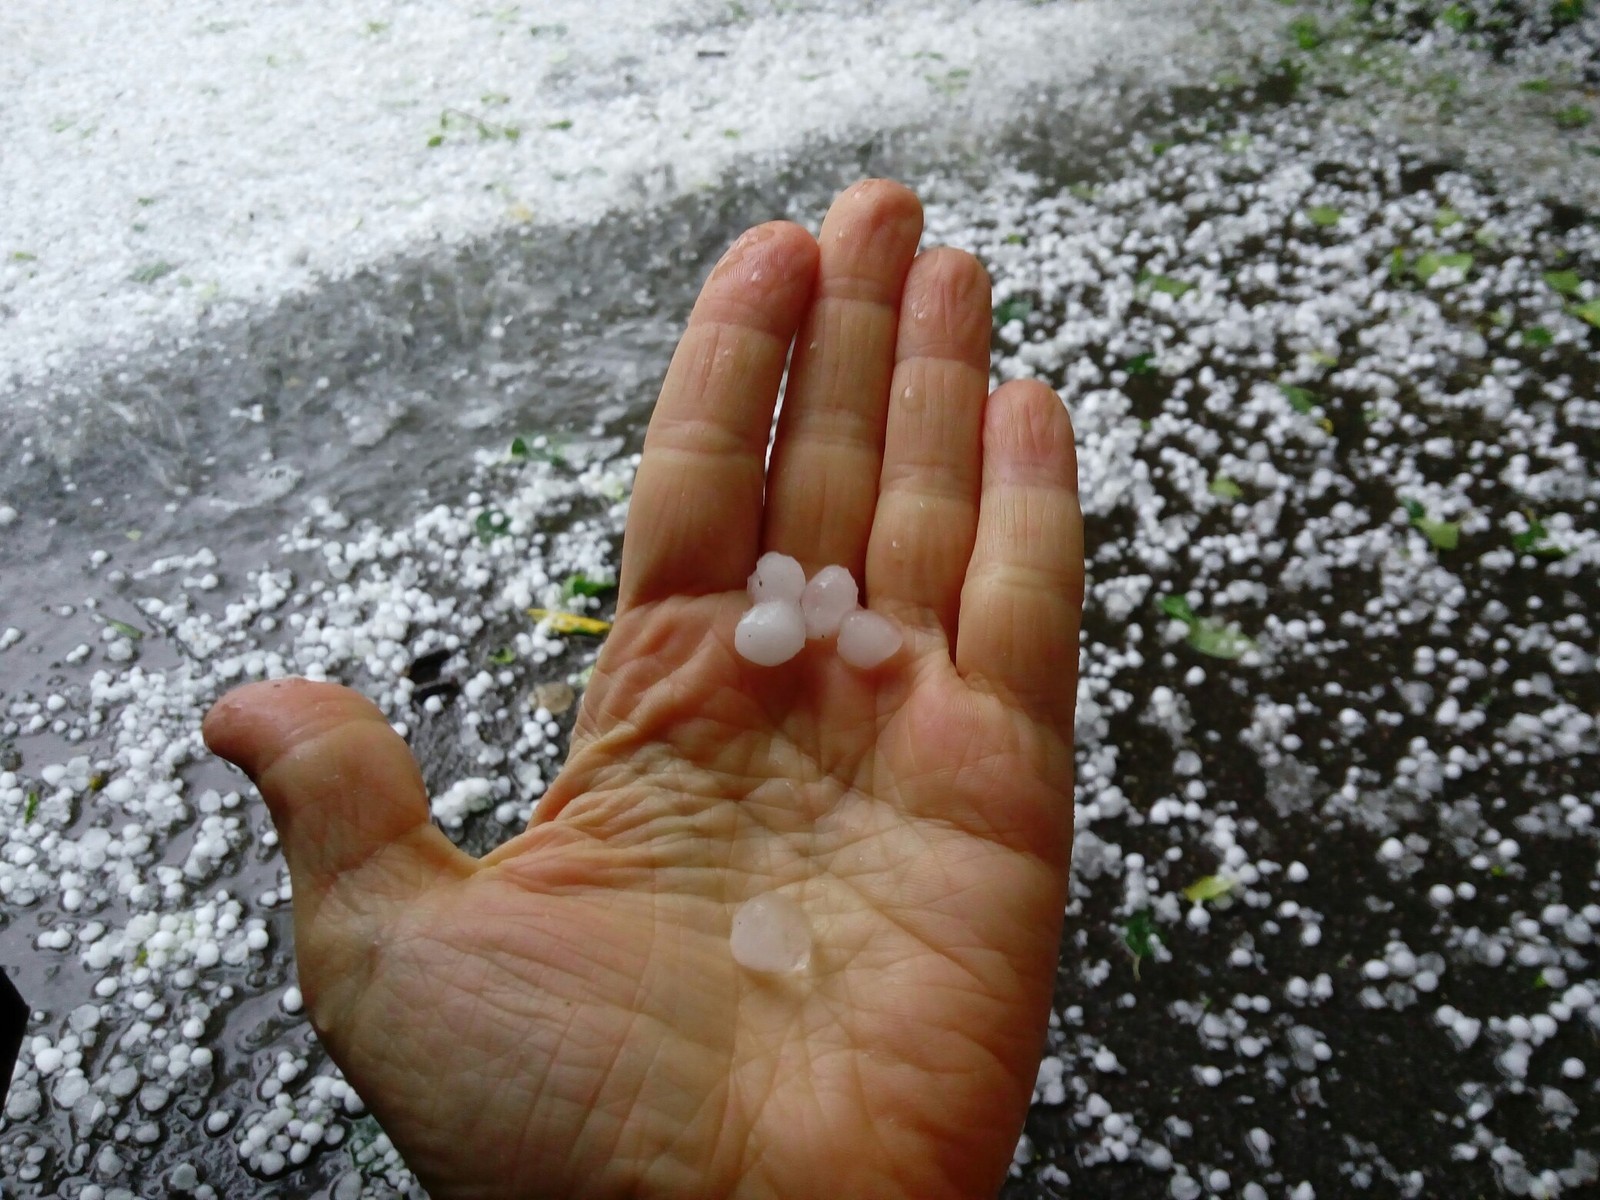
(564, 1018)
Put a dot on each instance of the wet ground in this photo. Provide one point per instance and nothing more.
(1336, 889)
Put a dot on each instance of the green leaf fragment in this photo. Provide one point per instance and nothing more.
(32, 809)
(1136, 936)
(1535, 540)
(1178, 609)
(1216, 640)
(1459, 18)
(1212, 887)
(550, 452)
(1589, 312)
(1167, 285)
(1141, 364)
(492, 524)
(581, 585)
(1565, 282)
(1305, 32)
(1014, 309)
(1324, 215)
(1136, 933)
(1430, 264)
(151, 272)
(23, 256)
(126, 630)
(1446, 218)
(1565, 12)
(1015, 239)
(1225, 487)
(564, 123)
(1539, 86)
(1574, 116)
(1445, 535)
(503, 657)
(1302, 400)
(1538, 336)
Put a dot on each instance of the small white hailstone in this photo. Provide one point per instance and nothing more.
(776, 577)
(771, 936)
(867, 638)
(827, 600)
(772, 632)
(1297, 872)
(1572, 1068)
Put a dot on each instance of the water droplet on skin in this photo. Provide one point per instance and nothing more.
(771, 936)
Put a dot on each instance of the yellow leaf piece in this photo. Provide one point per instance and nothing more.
(1212, 887)
(565, 622)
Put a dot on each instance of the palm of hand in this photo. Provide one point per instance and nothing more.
(565, 1018)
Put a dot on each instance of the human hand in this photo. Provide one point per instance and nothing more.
(563, 1017)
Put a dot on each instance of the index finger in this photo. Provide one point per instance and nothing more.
(694, 523)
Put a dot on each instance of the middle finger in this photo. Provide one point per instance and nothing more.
(822, 486)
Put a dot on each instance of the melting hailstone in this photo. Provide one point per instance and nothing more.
(772, 632)
(771, 935)
(827, 600)
(867, 638)
(776, 577)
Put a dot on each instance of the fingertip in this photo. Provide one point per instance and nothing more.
(946, 311)
(889, 197)
(1028, 435)
(769, 258)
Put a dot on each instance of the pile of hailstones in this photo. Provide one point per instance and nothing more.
(770, 934)
(787, 611)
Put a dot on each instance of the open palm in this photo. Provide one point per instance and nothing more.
(564, 1017)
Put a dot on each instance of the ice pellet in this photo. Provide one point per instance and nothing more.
(771, 936)
(867, 638)
(827, 600)
(776, 577)
(770, 633)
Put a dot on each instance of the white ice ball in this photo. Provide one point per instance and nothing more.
(771, 935)
(772, 632)
(776, 577)
(827, 600)
(867, 638)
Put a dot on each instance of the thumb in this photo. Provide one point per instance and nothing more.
(344, 792)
